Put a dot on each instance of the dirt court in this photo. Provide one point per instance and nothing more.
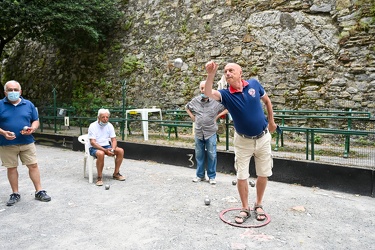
(159, 207)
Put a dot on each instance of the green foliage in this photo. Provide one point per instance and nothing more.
(116, 47)
(364, 141)
(254, 70)
(207, 27)
(362, 26)
(41, 62)
(183, 28)
(164, 84)
(86, 99)
(368, 7)
(317, 139)
(102, 64)
(127, 25)
(130, 64)
(65, 23)
(103, 67)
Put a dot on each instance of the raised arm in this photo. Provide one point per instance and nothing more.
(211, 68)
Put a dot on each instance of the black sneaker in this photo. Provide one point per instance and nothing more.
(13, 199)
(42, 196)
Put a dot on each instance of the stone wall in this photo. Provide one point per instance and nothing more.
(308, 54)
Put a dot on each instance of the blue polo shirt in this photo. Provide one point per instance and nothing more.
(246, 108)
(14, 118)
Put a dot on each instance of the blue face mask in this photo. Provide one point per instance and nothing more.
(13, 96)
(204, 96)
(103, 123)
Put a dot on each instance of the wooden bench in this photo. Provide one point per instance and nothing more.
(302, 121)
(175, 119)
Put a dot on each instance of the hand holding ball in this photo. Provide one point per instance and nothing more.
(26, 129)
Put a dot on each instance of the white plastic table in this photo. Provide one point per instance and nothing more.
(144, 115)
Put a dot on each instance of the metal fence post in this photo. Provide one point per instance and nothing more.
(54, 109)
(123, 87)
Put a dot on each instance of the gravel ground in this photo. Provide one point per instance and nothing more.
(159, 207)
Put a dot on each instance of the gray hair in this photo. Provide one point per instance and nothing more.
(103, 111)
(12, 81)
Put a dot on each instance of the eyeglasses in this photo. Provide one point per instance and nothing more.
(11, 90)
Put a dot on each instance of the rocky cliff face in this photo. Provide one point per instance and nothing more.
(307, 54)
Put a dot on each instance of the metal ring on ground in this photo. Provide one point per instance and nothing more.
(244, 225)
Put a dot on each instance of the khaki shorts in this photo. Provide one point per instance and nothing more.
(26, 152)
(245, 148)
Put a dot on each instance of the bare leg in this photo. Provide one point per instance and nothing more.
(100, 162)
(261, 187)
(13, 179)
(35, 176)
(243, 190)
(119, 152)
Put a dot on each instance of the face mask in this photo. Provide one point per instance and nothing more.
(103, 123)
(13, 96)
(204, 96)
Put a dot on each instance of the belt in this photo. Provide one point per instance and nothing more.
(265, 131)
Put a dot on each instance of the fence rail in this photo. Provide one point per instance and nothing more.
(340, 137)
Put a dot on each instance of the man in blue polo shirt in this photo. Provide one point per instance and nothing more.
(252, 136)
(18, 120)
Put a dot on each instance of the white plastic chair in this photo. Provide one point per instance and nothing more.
(88, 160)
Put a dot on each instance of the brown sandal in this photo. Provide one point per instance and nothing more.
(243, 217)
(259, 214)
